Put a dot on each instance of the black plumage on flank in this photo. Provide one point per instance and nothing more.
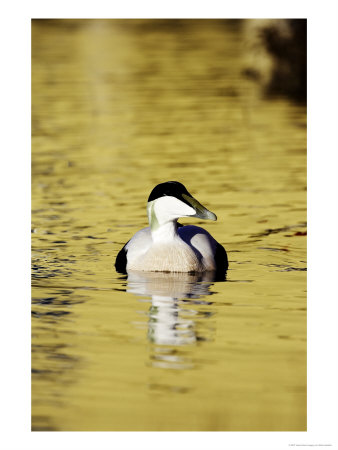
(222, 264)
(121, 260)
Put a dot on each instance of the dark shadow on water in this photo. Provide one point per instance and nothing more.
(269, 231)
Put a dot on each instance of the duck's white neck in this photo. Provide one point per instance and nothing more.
(163, 218)
(166, 232)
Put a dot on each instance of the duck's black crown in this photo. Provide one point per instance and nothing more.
(169, 188)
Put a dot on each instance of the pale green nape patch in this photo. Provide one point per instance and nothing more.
(153, 221)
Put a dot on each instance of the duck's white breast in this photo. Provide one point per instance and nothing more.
(167, 257)
(192, 250)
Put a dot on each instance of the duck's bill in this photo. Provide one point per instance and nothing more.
(201, 211)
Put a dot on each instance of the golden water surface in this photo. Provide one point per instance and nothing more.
(117, 107)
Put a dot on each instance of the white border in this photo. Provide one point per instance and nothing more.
(322, 211)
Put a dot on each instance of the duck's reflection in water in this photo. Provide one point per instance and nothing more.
(172, 325)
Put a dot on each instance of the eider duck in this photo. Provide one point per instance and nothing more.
(166, 245)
